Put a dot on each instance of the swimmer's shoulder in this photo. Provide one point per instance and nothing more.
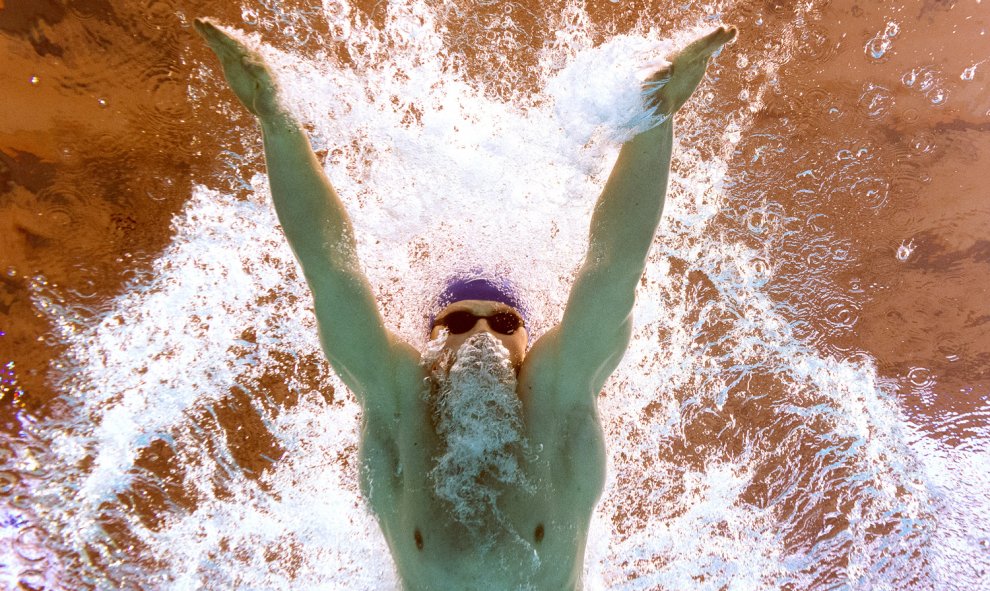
(400, 377)
(543, 373)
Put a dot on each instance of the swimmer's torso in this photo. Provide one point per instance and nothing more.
(540, 542)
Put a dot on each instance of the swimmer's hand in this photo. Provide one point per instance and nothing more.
(245, 71)
(670, 87)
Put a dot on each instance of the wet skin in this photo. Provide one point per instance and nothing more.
(541, 543)
(544, 536)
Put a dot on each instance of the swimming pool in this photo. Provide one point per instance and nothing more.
(804, 404)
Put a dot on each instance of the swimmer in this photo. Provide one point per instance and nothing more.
(482, 457)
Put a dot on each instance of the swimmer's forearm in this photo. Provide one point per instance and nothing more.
(313, 218)
(596, 325)
(628, 212)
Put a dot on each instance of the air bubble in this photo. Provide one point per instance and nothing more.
(880, 44)
(904, 250)
(250, 16)
(877, 47)
(28, 544)
(923, 143)
(968, 73)
(335, 9)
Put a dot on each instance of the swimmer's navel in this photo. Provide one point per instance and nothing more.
(419, 539)
(538, 533)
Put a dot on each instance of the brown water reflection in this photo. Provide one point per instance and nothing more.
(862, 178)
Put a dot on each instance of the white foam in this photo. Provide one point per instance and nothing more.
(477, 414)
(959, 479)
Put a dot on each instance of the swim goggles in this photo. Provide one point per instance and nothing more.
(461, 321)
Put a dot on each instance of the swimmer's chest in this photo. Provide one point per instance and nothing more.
(541, 538)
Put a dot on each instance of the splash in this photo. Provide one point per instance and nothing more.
(204, 443)
(477, 416)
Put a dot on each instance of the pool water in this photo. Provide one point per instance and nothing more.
(804, 404)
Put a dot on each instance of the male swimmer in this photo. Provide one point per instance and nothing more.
(485, 478)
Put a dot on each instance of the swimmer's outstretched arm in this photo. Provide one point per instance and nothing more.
(597, 323)
(316, 224)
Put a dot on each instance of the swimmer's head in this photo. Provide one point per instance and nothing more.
(470, 304)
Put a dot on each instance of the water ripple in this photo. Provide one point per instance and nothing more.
(921, 378)
(872, 192)
(964, 429)
(29, 544)
(815, 45)
(875, 101)
(841, 313)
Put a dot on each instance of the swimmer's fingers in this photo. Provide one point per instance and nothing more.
(232, 53)
(245, 71)
(670, 87)
(707, 46)
(222, 44)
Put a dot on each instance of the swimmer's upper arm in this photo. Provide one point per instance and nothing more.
(367, 357)
(370, 360)
(594, 332)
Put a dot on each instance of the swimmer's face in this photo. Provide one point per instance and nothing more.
(515, 342)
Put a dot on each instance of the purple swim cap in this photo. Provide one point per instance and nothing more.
(477, 287)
